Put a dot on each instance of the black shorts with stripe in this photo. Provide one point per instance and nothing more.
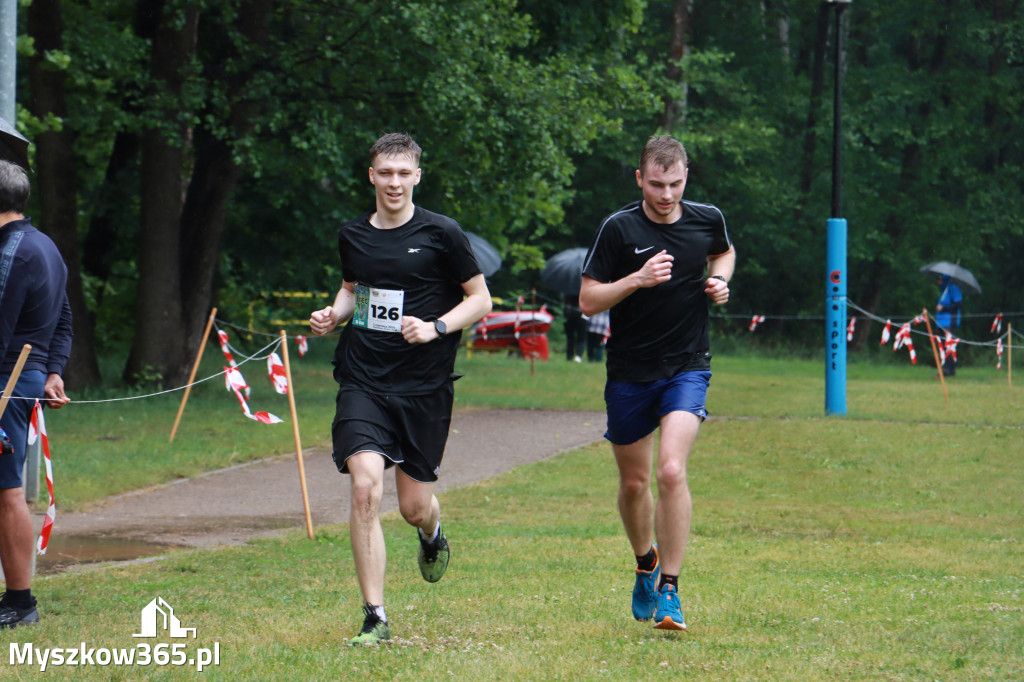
(410, 431)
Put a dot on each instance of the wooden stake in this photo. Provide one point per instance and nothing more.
(533, 329)
(935, 353)
(192, 376)
(13, 380)
(295, 432)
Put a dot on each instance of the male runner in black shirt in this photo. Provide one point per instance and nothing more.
(655, 263)
(410, 283)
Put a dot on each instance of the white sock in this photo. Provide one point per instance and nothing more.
(379, 610)
(433, 536)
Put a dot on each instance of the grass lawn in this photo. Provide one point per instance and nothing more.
(882, 545)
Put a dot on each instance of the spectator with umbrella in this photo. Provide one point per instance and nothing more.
(564, 272)
(13, 145)
(950, 277)
(487, 257)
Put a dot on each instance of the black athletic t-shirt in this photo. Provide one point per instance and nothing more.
(659, 331)
(427, 258)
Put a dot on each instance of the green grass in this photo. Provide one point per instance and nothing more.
(882, 545)
(102, 449)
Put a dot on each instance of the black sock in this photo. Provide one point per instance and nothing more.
(672, 580)
(648, 561)
(19, 599)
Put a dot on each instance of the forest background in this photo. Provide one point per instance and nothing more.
(191, 154)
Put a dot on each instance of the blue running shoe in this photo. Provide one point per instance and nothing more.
(644, 590)
(669, 615)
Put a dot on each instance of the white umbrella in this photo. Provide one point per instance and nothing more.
(959, 275)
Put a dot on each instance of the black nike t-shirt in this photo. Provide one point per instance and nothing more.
(659, 331)
(427, 259)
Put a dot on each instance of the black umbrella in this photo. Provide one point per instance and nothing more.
(564, 271)
(487, 256)
(960, 276)
(13, 147)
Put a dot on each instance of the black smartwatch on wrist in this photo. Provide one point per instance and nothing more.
(441, 327)
(718, 277)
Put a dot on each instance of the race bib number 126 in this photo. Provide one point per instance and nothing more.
(378, 309)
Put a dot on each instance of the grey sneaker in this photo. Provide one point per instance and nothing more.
(433, 556)
(374, 630)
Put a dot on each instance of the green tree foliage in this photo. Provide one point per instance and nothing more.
(218, 144)
(254, 118)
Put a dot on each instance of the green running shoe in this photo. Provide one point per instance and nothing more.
(669, 615)
(374, 630)
(645, 592)
(433, 556)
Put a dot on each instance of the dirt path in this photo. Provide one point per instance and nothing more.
(231, 505)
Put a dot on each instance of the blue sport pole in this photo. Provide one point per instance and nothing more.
(835, 318)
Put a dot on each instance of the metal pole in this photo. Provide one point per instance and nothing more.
(33, 457)
(837, 116)
(836, 233)
(8, 58)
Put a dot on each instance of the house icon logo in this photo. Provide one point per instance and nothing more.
(158, 615)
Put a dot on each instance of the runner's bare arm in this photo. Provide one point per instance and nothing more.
(475, 305)
(324, 321)
(720, 269)
(598, 296)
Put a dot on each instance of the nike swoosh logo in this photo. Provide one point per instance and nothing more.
(638, 250)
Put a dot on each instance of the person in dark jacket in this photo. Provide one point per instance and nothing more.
(34, 310)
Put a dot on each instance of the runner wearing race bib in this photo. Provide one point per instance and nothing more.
(410, 285)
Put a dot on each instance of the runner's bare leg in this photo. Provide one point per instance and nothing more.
(674, 509)
(636, 503)
(417, 502)
(366, 470)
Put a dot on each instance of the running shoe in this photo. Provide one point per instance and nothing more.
(433, 557)
(12, 616)
(374, 630)
(669, 615)
(645, 591)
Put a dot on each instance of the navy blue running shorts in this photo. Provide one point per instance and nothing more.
(15, 422)
(636, 409)
(410, 431)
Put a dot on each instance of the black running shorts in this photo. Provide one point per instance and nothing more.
(410, 431)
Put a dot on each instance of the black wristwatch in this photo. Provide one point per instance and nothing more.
(718, 277)
(441, 327)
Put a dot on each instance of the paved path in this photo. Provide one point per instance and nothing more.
(231, 505)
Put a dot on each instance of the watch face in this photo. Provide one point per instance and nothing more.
(441, 327)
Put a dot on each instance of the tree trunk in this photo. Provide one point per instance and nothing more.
(813, 108)
(675, 107)
(55, 184)
(158, 349)
(214, 179)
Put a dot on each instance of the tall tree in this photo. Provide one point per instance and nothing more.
(675, 100)
(55, 177)
(159, 342)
